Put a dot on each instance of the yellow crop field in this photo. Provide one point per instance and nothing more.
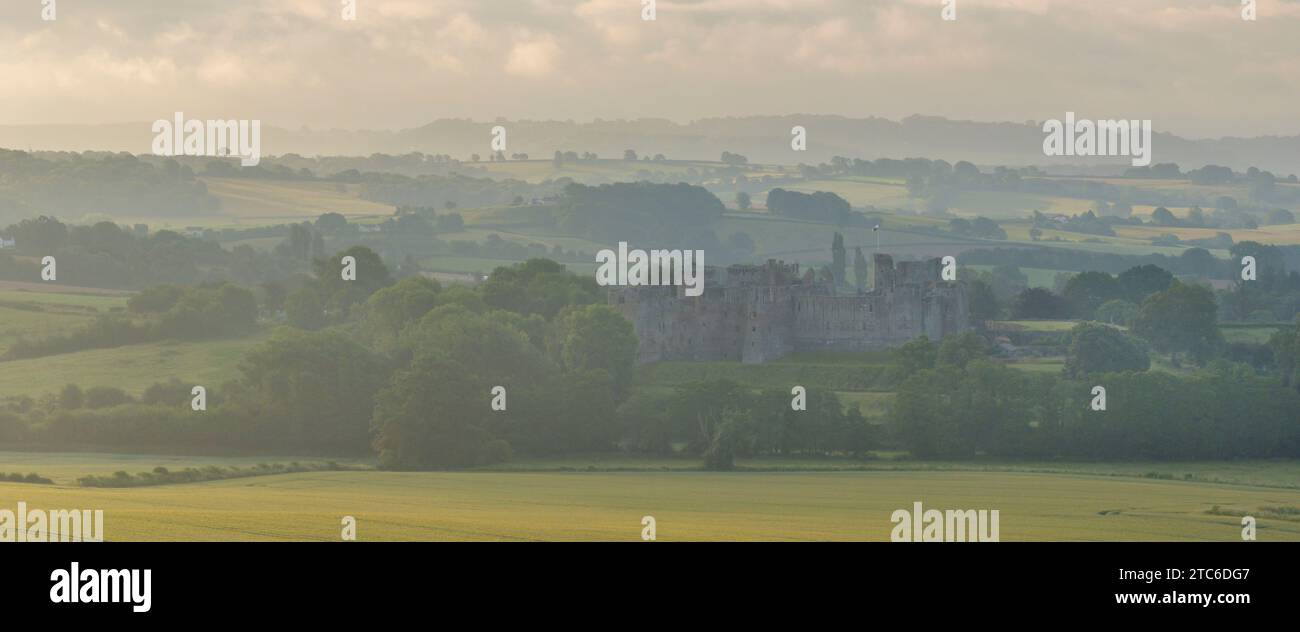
(685, 505)
(284, 199)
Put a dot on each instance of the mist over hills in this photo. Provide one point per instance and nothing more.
(763, 139)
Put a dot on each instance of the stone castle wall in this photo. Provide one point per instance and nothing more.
(761, 313)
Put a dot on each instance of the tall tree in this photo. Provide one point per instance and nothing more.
(1183, 318)
(860, 269)
(1140, 282)
(1098, 348)
(1087, 291)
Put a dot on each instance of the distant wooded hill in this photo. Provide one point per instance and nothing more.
(758, 138)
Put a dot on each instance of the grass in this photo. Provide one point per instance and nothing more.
(132, 368)
(685, 505)
(27, 315)
(1041, 325)
(1247, 333)
(288, 199)
(1039, 365)
(85, 302)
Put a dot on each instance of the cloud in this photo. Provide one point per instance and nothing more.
(404, 62)
(534, 59)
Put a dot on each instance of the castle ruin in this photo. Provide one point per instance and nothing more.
(759, 313)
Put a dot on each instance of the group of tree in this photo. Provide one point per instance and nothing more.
(98, 182)
(987, 409)
(820, 206)
(643, 214)
(721, 420)
(166, 312)
(105, 254)
(409, 369)
(981, 227)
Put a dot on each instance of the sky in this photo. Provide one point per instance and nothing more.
(1193, 67)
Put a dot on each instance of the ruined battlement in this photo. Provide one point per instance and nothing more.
(771, 273)
(759, 313)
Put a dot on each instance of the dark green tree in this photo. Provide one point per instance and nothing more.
(861, 271)
(1183, 318)
(1096, 348)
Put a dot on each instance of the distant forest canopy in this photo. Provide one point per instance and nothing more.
(1196, 262)
(106, 255)
(647, 214)
(80, 184)
(764, 139)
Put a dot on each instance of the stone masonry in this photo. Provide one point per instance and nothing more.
(759, 313)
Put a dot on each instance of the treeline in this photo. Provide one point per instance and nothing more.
(106, 255)
(939, 181)
(987, 409)
(955, 403)
(83, 183)
(1191, 262)
(1101, 223)
(1261, 184)
(408, 369)
(1272, 296)
(163, 476)
(644, 214)
(162, 313)
(820, 206)
(528, 363)
(721, 420)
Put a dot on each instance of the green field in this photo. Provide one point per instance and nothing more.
(686, 506)
(132, 368)
(27, 315)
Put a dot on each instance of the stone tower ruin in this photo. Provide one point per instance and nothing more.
(759, 313)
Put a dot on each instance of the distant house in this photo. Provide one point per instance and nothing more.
(5, 244)
(370, 228)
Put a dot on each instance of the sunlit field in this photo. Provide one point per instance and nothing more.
(685, 505)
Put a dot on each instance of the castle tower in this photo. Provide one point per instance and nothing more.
(883, 273)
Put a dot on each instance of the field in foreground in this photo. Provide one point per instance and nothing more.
(686, 506)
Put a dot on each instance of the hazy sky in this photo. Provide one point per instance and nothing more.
(1192, 66)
